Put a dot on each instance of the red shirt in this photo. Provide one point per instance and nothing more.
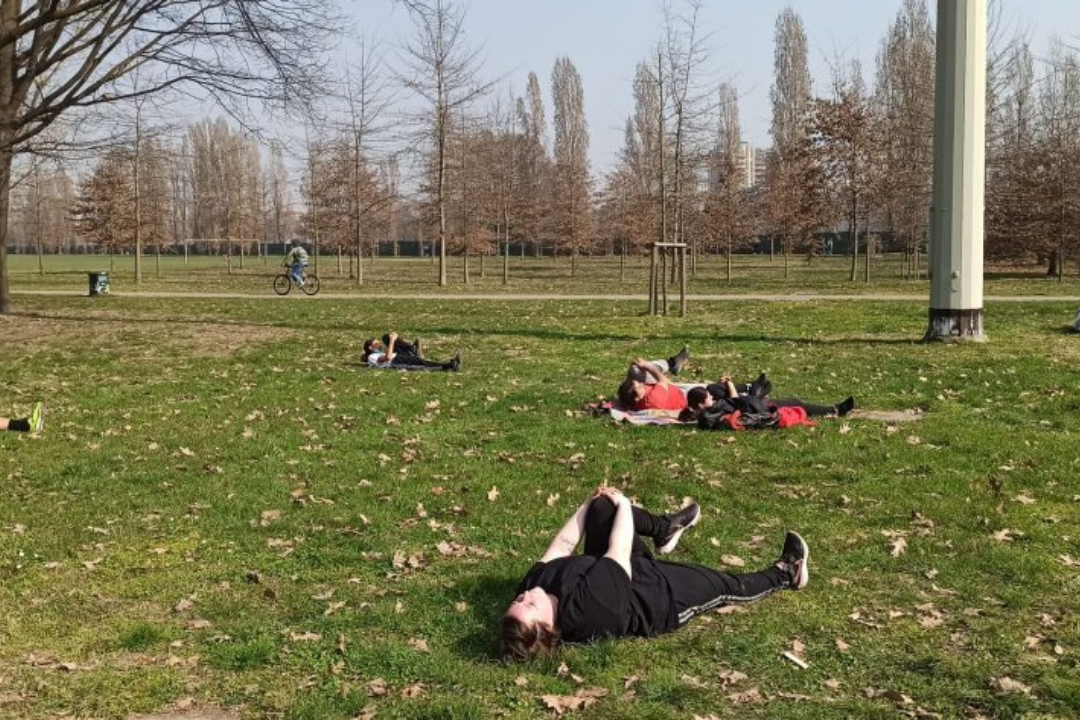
(663, 397)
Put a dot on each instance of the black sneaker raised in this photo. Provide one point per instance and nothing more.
(455, 364)
(845, 407)
(679, 523)
(676, 363)
(795, 559)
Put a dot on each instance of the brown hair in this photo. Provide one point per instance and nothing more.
(521, 642)
(369, 345)
(626, 393)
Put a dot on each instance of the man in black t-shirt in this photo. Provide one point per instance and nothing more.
(615, 588)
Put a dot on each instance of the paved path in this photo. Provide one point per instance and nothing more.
(796, 297)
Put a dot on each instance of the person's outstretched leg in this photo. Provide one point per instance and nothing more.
(698, 589)
(637, 374)
(841, 408)
(34, 423)
(664, 530)
(679, 359)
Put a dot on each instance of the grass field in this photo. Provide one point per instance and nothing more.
(595, 275)
(227, 511)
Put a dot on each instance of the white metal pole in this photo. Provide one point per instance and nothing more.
(956, 213)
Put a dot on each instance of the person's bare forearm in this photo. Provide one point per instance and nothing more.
(569, 535)
(652, 370)
(622, 534)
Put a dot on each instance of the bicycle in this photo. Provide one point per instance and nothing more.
(283, 283)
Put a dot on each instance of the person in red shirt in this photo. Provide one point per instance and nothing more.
(647, 388)
(643, 378)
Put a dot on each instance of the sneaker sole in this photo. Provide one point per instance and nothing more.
(803, 578)
(669, 546)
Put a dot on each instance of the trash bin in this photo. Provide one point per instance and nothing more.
(99, 283)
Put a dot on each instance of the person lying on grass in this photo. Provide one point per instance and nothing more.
(615, 588)
(724, 397)
(646, 386)
(395, 354)
(33, 424)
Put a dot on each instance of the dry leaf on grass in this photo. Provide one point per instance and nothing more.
(305, 637)
(581, 699)
(376, 688)
(419, 645)
(411, 691)
(1006, 535)
(1008, 686)
(493, 494)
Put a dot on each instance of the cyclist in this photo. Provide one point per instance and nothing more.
(296, 260)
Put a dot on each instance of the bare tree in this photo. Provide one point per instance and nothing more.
(368, 99)
(684, 50)
(535, 165)
(904, 104)
(440, 69)
(58, 57)
(844, 130)
(791, 161)
(572, 212)
(727, 209)
(103, 211)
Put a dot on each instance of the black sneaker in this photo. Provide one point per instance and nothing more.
(679, 522)
(676, 363)
(455, 364)
(845, 407)
(759, 388)
(795, 559)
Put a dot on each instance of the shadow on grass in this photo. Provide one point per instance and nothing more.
(487, 596)
(699, 339)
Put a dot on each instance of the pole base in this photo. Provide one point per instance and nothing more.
(951, 325)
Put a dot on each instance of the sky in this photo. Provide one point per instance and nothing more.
(606, 39)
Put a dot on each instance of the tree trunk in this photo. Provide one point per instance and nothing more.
(506, 254)
(787, 254)
(868, 251)
(339, 261)
(853, 233)
(729, 249)
(5, 208)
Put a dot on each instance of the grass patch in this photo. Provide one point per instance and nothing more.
(226, 506)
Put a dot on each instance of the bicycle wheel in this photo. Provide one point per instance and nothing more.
(311, 284)
(282, 284)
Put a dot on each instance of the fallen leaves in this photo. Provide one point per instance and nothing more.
(1005, 535)
(1007, 686)
(581, 699)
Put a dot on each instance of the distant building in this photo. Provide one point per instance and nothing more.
(761, 159)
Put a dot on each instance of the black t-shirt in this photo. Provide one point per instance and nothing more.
(597, 599)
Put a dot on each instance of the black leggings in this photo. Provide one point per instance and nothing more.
(811, 410)
(407, 361)
(695, 589)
